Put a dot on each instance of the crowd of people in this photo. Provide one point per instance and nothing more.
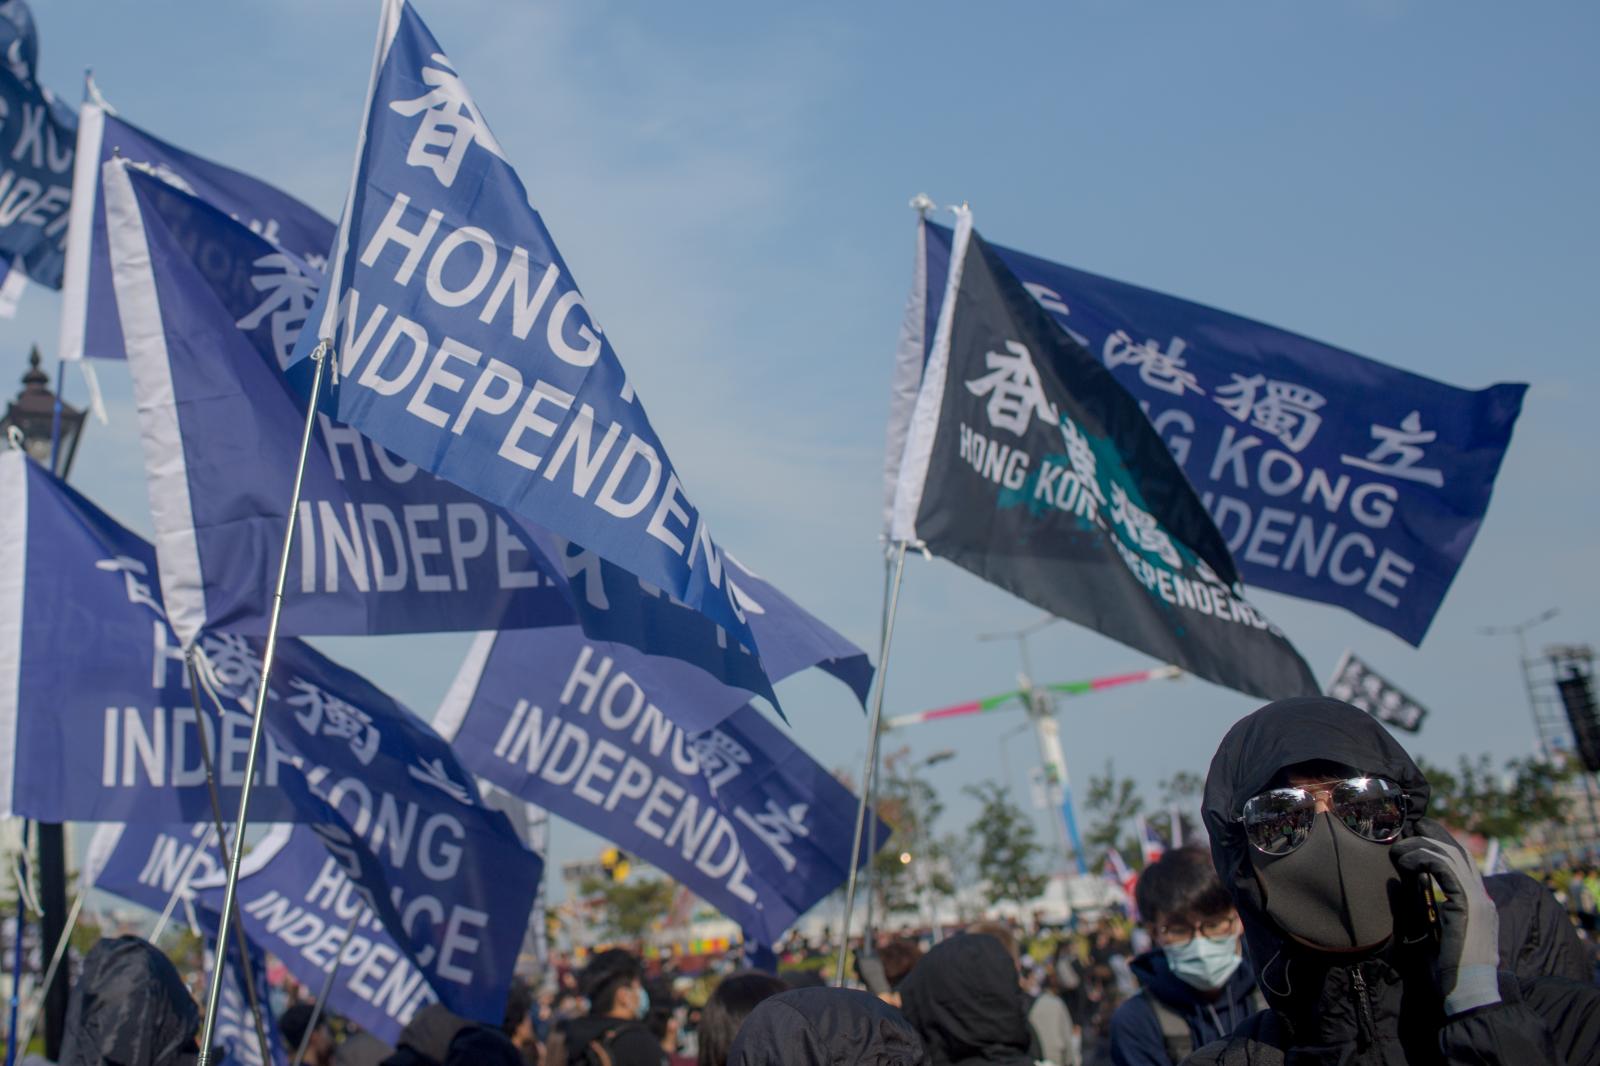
(1330, 921)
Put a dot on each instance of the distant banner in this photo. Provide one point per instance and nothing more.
(739, 814)
(1333, 477)
(296, 901)
(90, 325)
(1359, 685)
(465, 346)
(37, 134)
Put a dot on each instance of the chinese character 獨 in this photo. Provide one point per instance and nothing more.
(1142, 528)
(1286, 410)
(1399, 450)
(331, 716)
(1164, 370)
(721, 757)
(289, 294)
(450, 123)
(1014, 390)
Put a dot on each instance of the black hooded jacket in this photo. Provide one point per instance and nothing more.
(965, 1002)
(130, 1008)
(1379, 1007)
(826, 1027)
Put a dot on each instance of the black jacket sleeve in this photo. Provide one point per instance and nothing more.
(1547, 1020)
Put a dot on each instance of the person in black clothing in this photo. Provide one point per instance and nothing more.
(735, 997)
(1196, 985)
(613, 1032)
(129, 1006)
(826, 1027)
(1319, 831)
(964, 1001)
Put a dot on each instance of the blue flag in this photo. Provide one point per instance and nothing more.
(444, 872)
(153, 865)
(468, 349)
(96, 720)
(90, 325)
(383, 546)
(149, 865)
(235, 1032)
(36, 147)
(1332, 477)
(296, 901)
(738, 814)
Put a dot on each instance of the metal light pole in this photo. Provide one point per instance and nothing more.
(1041, 713)
(50, 431)
(1520, 631)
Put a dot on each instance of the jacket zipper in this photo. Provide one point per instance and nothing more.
(1363, 1002)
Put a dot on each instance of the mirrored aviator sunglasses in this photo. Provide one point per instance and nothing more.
(1279, 820)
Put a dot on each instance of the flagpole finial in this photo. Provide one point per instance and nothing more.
(922, 203)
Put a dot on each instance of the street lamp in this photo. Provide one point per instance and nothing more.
(49, 429)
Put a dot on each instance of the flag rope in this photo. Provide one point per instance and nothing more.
(874, 734)
(320, 357)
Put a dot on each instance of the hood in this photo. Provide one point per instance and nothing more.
(129, 1007)
(430, 1031)
(964, 1000)
(1252, 753)
(826, 1027)
(478, 1045)
(1153, 974)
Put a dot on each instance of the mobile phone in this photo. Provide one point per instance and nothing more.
(870, 967)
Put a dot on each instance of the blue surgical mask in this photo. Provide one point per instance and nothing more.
(644, 1002)
(1205, 963)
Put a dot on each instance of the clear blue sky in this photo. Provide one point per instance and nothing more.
(1414, 181)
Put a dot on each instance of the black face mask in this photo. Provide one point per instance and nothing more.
(1335, 891)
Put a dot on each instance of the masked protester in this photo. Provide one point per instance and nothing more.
(1374, 937)
(1196, 986)
(613, 1033)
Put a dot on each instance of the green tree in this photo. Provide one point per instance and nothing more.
(1114, 803)
(910, 806)
(1008, 854)
(1180, 793)
(631, 907)
(1506, 804)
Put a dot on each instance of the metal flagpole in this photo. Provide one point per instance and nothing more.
(874, 734)
(60, 953)
(320, 357)
(322, 997)
(16, 966)
(222, 849)
(869, 876)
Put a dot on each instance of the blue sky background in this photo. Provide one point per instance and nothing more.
(1412, 181)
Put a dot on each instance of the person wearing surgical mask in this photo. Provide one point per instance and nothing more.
(1376, 940)
(1195, 984)
(613, 1031)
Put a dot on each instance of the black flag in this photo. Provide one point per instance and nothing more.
(1029, 465)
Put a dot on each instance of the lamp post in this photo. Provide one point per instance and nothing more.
(49, 432)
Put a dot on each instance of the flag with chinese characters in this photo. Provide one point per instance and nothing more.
(739, 814)
(1358, 684)
(465, 346)
(91, 326)
(1028, 464)
(1333, 477)
(382, 546)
